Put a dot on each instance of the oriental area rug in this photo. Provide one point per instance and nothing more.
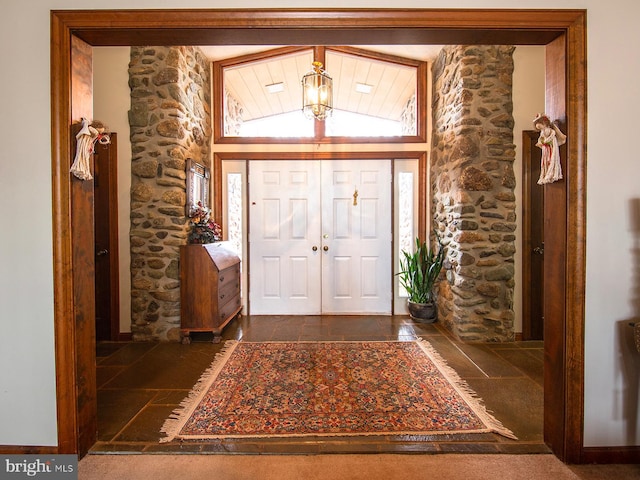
(297, 389)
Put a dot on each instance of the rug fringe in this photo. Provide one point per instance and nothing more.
(465, 391)
(173, 424)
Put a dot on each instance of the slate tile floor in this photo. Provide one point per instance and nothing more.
(140, 384)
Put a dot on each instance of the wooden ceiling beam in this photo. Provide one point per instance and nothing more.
(316, 26)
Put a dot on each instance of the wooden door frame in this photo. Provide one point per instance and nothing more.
(562, 31)
(419, 156)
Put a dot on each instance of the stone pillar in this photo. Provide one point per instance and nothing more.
(170, 121)
(473, 182)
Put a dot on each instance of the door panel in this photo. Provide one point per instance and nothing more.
(356, 221)
(284, 226)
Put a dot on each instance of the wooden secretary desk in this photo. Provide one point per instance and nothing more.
(209, 288)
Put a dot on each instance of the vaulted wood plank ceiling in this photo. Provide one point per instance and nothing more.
(391, 84)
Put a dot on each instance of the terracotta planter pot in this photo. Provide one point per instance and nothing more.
(423, 312)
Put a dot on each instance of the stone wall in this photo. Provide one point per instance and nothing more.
(473, 189)
(409, 117)
(170, 120)
(232, 115)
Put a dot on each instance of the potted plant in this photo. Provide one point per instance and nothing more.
(418, 275)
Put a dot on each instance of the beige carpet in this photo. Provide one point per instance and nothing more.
(344, 467)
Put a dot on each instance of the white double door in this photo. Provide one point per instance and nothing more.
(320, 237)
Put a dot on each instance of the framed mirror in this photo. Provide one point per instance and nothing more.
(198, 177)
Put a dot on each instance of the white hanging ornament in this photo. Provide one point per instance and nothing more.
(549, 142)
(86, 138)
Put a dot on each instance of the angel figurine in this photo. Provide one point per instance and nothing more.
(86, 139)
(549, 141)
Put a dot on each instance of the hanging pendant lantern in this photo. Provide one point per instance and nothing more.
(317, 93)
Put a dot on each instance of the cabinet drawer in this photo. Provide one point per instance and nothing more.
(228, 275)
(228, 308)
(227, 291)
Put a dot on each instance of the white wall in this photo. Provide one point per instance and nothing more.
(27, 371)
(27, 378)
(111, 104)
(613, 183)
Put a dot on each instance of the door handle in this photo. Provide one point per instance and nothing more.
(539, 250)
(314, 248)
(325, 248)
(102, 253)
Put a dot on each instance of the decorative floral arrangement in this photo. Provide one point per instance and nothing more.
(203, 228)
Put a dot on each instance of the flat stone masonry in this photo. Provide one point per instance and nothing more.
(170, 120)
(473, 182)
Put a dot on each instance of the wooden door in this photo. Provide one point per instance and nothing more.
(81, 340)
(106, 240)
(356, 236)
(532, 240)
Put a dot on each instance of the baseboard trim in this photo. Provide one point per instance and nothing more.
(608, 455)
(27, 450)
(124, 337)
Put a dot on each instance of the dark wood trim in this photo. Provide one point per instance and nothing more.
(610, 455)
(124, 337)
(385, 57)
(27, 450)
(329, 27)
(555, 259)
(64, 325)
(565, 262)
(576, 225)
(84, 252)
(261, 56)
(308, 26)
(360, 155)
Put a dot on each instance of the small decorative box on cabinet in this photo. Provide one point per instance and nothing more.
(209, 288)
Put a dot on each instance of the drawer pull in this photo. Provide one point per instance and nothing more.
(221, 279)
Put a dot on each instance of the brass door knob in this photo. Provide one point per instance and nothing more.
(314, 248)
(325, 248)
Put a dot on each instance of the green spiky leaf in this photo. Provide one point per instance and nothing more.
(419, 270)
